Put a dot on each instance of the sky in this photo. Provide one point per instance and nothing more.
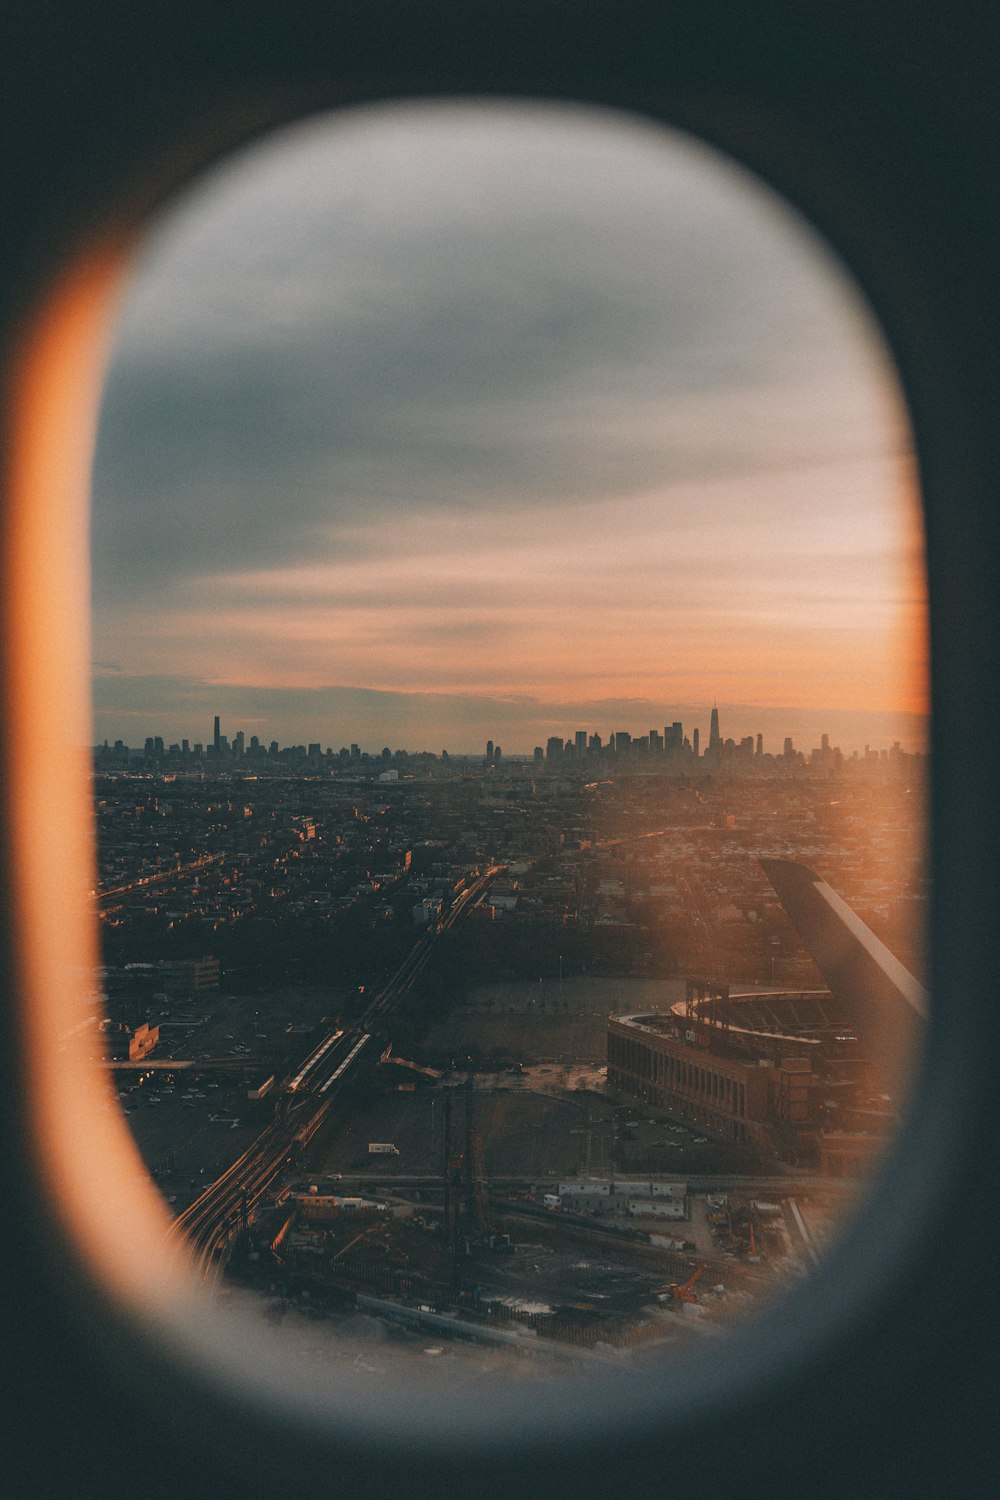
(434, 423)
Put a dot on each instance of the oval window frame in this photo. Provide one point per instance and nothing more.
(935, 1143)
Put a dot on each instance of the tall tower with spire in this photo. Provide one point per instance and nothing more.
(714, 737)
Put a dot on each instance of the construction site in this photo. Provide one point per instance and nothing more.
(524, 1211)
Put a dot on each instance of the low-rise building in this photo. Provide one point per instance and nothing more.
(622, 1197)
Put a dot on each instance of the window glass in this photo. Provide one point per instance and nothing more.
(510, 715)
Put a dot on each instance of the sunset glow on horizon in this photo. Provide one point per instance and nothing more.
(419, 434)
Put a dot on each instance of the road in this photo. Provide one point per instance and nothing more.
(784, 1187)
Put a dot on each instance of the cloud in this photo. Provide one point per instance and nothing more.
(546, 322)
(578, 598)
(391, 392)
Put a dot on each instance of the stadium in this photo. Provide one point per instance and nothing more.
(805, 1077)
(779, 1071)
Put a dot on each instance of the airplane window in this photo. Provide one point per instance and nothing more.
(510, 708)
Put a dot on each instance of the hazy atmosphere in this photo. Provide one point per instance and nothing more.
(431, 424)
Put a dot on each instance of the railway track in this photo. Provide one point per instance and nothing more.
(208, 1227)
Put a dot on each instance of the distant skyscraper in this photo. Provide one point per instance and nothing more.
(760, 744)
(489, 751)
(580, 742)
(217, 736)
(696, 742)
(714, 737)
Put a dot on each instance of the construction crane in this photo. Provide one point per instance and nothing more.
(476, 1208)
(474, 1148)
(451, 1176)
(369, 1229)
(683, 1292)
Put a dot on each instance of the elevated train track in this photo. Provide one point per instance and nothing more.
(209, 1225)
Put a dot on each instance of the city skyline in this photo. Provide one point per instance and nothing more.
(404, 430)
(677, 735)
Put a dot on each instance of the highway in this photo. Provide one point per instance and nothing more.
(209, 1225)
